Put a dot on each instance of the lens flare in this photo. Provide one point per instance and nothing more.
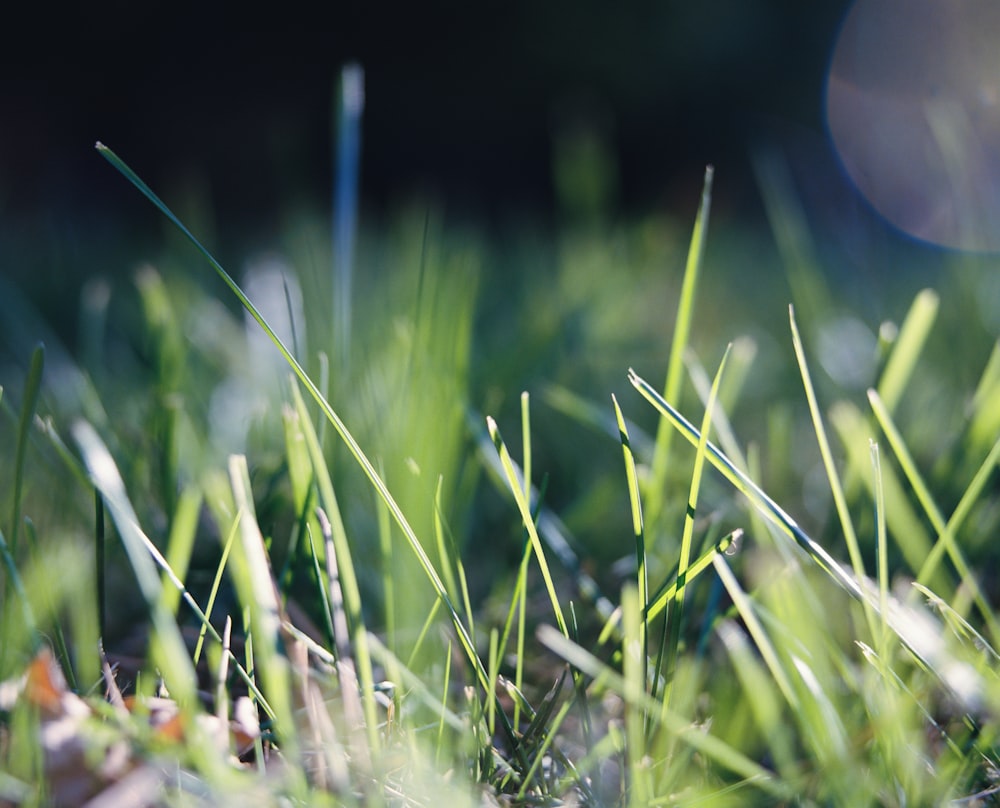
(913, 109)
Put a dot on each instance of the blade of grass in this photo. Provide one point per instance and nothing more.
(836, 489)
(345, 571)
(635, 501)
(32, 384)
(881, 553)
(675, 608)
(675, 365)
(251, 572)
(908, 346)
(767, 506)
(517, 488)
(905, 526)
(168, 651)
(946, 532)
(694, 736)
(332, 417)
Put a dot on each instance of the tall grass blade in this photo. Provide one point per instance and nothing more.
(675, 366)
(909, 531)
(251, 572)
(881, 553)
(635, 501)
(32, 384)
(168, 651)
(353, 446)
(908, 346)
(517, 487)
(836, 488)
(675, 608)
(945, 531)
(694, 736)
(343, 575)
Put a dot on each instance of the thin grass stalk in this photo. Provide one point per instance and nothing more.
(255, 585)
(946, 531)
(32, 385)
(767, 506)
(635, 502)
(675, 365)
(908, 347)
(353, 446)
(634, 664)
(694, 736)
(675, 610)
(881, 553)
(346, 579)
(836, 489)
(516, 486)
(168, 651)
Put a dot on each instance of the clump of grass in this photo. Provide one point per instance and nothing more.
(338, 655)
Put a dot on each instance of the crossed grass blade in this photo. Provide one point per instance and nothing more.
(465, 639)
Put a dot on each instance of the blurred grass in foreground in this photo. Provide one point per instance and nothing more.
(380, 599)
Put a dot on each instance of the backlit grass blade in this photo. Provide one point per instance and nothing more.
(667, 592)
(767, 506)
(251, 574)
(550, 527)
(694, 736)
(635, 501)
(168, 651)
(984, 423)
(342, 575)
(908, 530)
(908, 346)
(32, 384)
(744, 606)
(517, 488)
(836, 488)
(945, 531)
(675, 366)
(675, 608)
(341, 428)
(881, 553)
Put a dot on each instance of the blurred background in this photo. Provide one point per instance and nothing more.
(528, 177)
(466, 106)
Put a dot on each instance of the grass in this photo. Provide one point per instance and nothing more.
(296, 571)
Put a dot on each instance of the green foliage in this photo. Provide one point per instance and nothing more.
(381, 600)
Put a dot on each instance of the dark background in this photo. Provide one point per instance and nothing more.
(462, 99)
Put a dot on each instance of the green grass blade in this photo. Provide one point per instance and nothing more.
(744, 607)
(346, 575)
(675, 608)
(32, 384)
(836, 488)
(908, 346)
(709, 745)
(984, 422)
(945, 531)
(635, 501)
(27, 615)
(341, 428)
(168, 651)
(180, 544)
(675, 366)
(907, 528)
(881, 553)
(517, 488)
(251, 573)
(767, 506)
(668, 592)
